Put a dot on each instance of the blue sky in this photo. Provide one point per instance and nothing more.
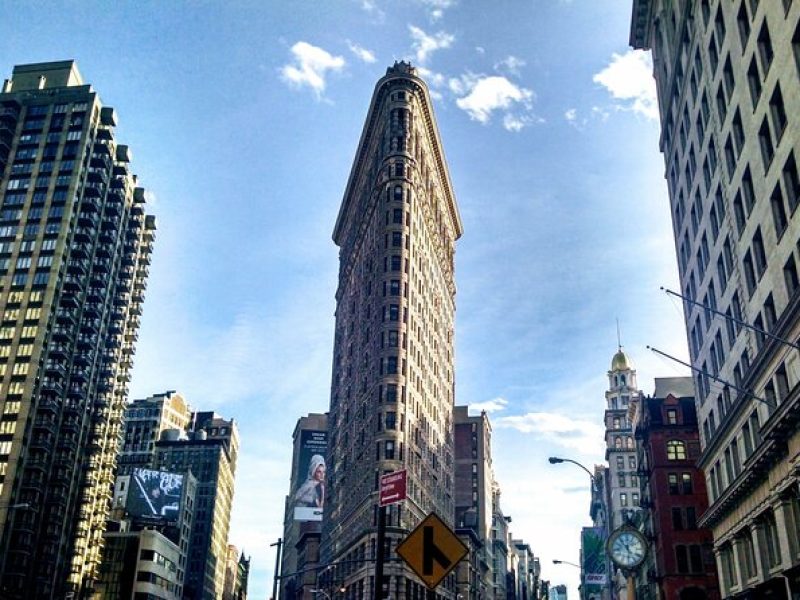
(243, 119)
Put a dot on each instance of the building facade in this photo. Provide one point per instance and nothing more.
(392, 391)
(474, 482)
(145, 420)
(729, 95)
(300, 560)
(75, 244)
(680, 562)
(139, 564)
(209, 452)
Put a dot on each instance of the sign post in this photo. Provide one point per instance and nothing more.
(392, 491)
(432, 550)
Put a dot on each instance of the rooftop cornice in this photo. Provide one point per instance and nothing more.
(641, 19)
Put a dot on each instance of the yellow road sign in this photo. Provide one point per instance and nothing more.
(432, 550)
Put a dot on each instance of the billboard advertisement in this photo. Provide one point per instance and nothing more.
(595, 576)
(309, 497)
(155, 494)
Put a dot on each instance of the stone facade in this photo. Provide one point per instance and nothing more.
(729, 95)
(392, 392)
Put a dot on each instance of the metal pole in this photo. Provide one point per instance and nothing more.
(377, 592)
(276, 577)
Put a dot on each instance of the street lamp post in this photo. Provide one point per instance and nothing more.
(565, 562)
(554, 460)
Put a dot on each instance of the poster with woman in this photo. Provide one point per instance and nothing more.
(309, 497)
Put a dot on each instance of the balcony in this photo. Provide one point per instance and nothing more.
(91, 204)
(55, 370)
(58, 351)
(84, 234)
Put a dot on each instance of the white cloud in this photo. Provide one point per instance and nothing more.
(512, 122)
(437, 7)
(371, 7)
(424, 44)
(310, 66)
(432, 78)
(628, 78)
(576, 434)
(489, 94)
(571, 114)
(366, 55)
(510, 64)
(490, 406)
(480, 50)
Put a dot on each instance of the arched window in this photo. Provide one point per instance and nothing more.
(676, 450)
(617, 442)
(629, 441)
(622, 379)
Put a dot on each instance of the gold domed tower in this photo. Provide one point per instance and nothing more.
(620, 446)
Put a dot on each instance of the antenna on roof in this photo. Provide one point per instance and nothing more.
(619, 337)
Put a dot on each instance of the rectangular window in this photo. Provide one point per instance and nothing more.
(765, 47)
(738, 213)
(672, 480)
(743, 23)
(765, 142)
(759, 253)
(778, 211)
(754, 82)
(778, 113)
(791, 182)
(677, 519)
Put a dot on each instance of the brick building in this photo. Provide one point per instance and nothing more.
(680, 562)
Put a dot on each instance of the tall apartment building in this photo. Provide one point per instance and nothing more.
(74, 252)
(729, 99)
(209, 451)
(393, 381)
(623, 485)
(145, 420)
(474, 483)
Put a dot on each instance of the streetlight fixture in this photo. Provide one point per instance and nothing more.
(554, 460)
(565, 562)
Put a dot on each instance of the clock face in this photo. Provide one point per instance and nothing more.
(626, 548)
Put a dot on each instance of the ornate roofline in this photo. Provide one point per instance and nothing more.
(401, 72)
(641, 20)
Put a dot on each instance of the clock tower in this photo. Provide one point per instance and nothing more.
(623, 482)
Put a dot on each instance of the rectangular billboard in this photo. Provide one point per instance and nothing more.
(309, 496)
(593, 547)
(155, 495)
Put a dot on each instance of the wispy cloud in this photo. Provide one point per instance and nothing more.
(309, 67)
(490, 406)
(495, 93)
(629, 80)
(437, 7)
(362, 53)
(424, 44)
(510, 64)
(371, 8)
(576, 434)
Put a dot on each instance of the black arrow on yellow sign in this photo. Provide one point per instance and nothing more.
(432, 550)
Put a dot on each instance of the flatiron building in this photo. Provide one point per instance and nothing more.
(75, 243)
(393, 382)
